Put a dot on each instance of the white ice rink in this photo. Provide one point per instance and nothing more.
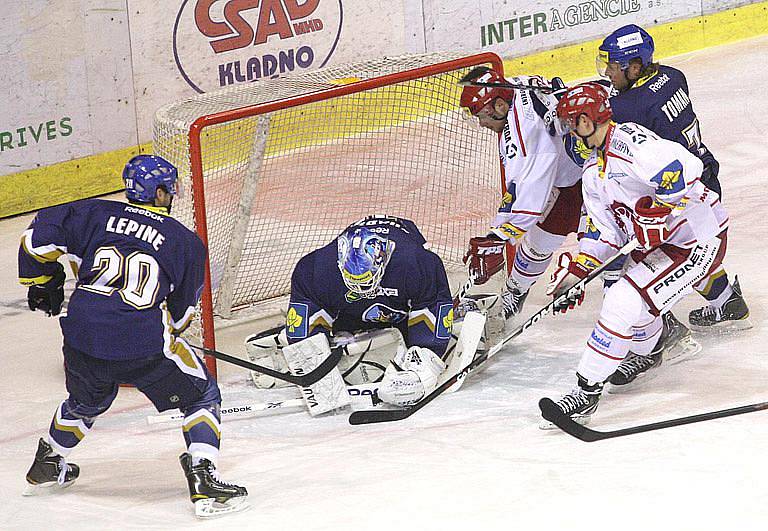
(474, 460)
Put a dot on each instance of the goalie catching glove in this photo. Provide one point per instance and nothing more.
(410, 376)
(650, 222)
(568, 273)
(48, 297)
(485, 257)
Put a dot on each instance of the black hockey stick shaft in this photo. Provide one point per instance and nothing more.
(500, 84)
(303, 380)
(552, 413)
(373, 416)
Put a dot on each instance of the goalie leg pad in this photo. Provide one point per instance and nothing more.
(410, 376)
(330, 392)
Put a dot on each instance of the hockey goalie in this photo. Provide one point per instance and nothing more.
(379, 294)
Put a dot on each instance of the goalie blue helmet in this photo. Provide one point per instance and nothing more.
(143, 174)
(626, 43)
(362, 258)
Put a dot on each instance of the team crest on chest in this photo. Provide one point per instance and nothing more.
(381, 313)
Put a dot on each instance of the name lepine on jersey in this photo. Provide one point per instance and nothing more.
(140, 231)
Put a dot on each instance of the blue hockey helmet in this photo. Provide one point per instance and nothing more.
(626, 43)
(143, 174)
(363, 256)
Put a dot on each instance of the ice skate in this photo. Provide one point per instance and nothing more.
(210, 495)
(734, 315)
(579, 404)
(49, 471)
(513, 299)
(634, 368)
(678, 345)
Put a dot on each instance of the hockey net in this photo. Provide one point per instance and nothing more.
(274, 169)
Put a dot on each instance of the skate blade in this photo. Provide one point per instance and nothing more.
(579, 419)
(725, 327)
(42, 489)
(210, 508)
(685, 349)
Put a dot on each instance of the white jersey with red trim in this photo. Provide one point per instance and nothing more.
(534, 163)
(637, 163)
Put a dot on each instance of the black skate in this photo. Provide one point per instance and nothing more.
(678, 345)
(674, 345)
(579, 404)
(49, 470)
(513, 300)
(633, 367)
(211, 496)
(734, 315)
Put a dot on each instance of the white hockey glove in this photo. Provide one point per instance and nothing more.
(410, 376)
(568, 273)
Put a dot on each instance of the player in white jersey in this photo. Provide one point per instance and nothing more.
(542, 203)
(635, 185)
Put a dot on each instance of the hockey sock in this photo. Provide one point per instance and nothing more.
(67, 428)
(645, 336)
(716, 288)
(202, 432)
(528, 266)
(606, 348)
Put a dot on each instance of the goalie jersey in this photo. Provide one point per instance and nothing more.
(413, 295)
(139, 275)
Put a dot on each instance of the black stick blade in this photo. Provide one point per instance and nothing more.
(373, 416)
(553, 414)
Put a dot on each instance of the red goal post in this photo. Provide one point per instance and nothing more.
(274, 169)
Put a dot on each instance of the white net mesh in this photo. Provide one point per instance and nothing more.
(279, 185)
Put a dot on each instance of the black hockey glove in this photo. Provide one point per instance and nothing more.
(48, 297)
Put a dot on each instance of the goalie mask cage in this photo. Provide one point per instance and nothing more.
(274, 169)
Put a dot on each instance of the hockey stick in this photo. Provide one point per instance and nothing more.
(361, 396)
(552, 413)
(303, 380)
(463, 290)
(372, 416)
(499, 84)
(240, 411)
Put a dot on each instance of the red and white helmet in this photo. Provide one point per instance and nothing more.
(588, 98)
(475, 98)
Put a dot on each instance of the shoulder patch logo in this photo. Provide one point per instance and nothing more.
(670, 179)
(444, 321)
(296, 320)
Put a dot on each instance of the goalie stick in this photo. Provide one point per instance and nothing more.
(552, 413)
(373, 416)
(303, 380)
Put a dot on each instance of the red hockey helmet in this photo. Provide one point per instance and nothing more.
(475, 98)
(588, 98)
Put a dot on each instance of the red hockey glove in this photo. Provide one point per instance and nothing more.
(485, 256)
(650, 222)
(568, 273)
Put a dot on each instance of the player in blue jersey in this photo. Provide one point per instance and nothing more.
(657, 97)
(376, 274)
(139, 275)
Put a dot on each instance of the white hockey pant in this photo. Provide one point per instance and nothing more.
(629, 318)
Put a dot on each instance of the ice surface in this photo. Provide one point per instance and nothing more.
(472, 460)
